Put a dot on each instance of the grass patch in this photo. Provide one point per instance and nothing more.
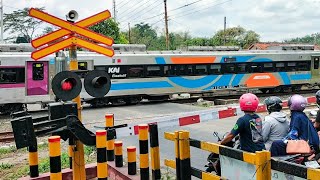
(20, 171)
(8, 172)
(4, 166)
(44, 163)
(7, 150)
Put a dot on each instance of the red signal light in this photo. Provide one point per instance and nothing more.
(66, 86)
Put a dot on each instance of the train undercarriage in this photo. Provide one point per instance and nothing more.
(6, 109)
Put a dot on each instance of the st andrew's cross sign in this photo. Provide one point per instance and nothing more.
(70, 30)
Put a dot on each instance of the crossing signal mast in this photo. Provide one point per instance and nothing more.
(67, 85)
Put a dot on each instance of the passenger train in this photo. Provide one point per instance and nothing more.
(158, 74)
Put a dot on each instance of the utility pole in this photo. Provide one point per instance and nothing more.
(114, 10)
(166, 21)
(1, 21)
(129, 33)
(224, 29)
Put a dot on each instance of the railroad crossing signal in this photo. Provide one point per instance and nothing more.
(66, 85)
(71, 29)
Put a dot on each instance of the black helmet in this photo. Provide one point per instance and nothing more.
(318, 97)
(273, 103)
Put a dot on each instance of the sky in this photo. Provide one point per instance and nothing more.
(273, 20)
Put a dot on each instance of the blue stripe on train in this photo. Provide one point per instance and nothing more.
(224, 80)
(297, 77)
(141, 85)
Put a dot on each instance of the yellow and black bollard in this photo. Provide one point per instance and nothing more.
(109, 120)
(177, 151)
(55, 158)
(132, 160)
(70, 151)
(118, 153)
(33, 161)
(144, 152)
(110, 144)
(110, 136)
(184, 153)
(155, 151)
(102, 166)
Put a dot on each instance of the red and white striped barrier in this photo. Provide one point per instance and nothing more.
(184, 119)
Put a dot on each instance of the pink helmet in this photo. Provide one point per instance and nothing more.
(249, 102)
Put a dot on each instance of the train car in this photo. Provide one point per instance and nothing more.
(157, 75)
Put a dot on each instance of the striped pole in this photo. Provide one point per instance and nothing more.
(177, 151)
(118, 153)
(144, 152)
(110, 136)
(109, 120)
(55, 158)
(155, 152)
(70, 150)
(33, 161)
(132, 164)
(184, 153)
(110, 144)
(102, 166)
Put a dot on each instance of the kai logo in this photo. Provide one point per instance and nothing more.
(113, 70)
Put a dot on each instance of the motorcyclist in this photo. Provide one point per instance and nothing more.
(249, 126)
(300, 127)
(276, 125)
(317, 121)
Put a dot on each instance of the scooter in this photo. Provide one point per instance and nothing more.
(214, 160)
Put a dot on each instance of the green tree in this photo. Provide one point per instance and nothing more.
(235, 36)
(111, 29)
(309, 39)
(144, 34)
(19, 23)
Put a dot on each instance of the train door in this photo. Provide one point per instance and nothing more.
(37, 78)
(315, 68)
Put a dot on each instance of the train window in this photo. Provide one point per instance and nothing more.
(229, 68)
(303, 66)
(256, 68)
(215, 69)
(153, 71)
(100, 68)
(135, 71)
(37, 71)
(268, 67)
(12, 75)
(170, 70)
(200, 70)
(83, 65)
(291, 66)
(316, 63)
(280, 67)
(185, 70)
(241, 68)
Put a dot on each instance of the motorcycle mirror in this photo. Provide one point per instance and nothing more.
(215, 134)
(313, 113)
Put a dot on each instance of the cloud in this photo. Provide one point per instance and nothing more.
(272, 19)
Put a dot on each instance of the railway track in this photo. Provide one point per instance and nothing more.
(6, 137)
(212, 97)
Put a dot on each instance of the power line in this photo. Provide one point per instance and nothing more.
(126, 2)
(131, 9)
(180, 7)
(199, 9)
(136, 11)
(152, 7)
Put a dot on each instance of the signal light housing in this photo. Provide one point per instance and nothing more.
(97, 83)
(66, 85)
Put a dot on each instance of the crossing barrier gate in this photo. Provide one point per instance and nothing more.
(235, 164)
